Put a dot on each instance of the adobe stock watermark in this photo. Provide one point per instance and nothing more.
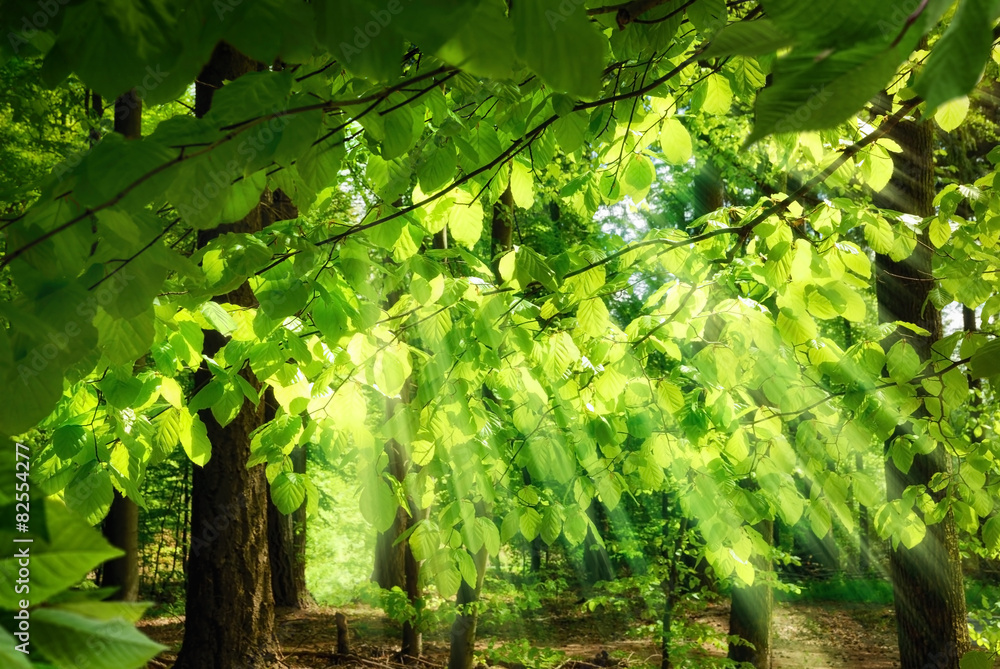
(565, 9)
(217, 525)
(31, 25)
(220, 180)
(363, 35)
(901, 18)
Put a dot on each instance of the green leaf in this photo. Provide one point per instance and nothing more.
(951, 114)
(466, 567)
(437, 166)
(218, 317)
(902, 362)
(74, 548)
(448, 582)
(976, 659)
(986, 360)
(878, 234)
(484, 46)
(637, 177)
(59, 635)
(570, 130)
(12, 658)
(675, 142)
(956, 63)
(530, 522)
(378, 504)
(364, 38)
(194, 438)
(90, 492)
(124, 340)
(522, 185)
(713, 95)
(939, 232)
(491, 535)
(575, 526)
(251, 96)
(465, 221)
(288, 491)
(529, 267)
(552, 521)
(558, 42)
(815, 91)
(170, 390)
(708, 16)
(510, 526)
(69, 440)
(877, 168)
(991, 535)
(390, 371)
(401, 131)
(593, 317)
(747, 38)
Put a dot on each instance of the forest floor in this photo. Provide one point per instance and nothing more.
(824, 635)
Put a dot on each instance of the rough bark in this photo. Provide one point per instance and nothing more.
(229, 609)
(121, 526)
(927, 579)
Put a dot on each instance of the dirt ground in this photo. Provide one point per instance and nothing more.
(830, 635)
(813, 635)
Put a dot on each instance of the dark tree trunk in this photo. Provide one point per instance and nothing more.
(750, 615)
(121, 529)
(672, 547)
(230, 608)
(864, 541)
(300, 459)
(502, 239)
(927, 579)
(121, 526)
(463, 630)
(280, 540)
(395, 565)
(284, 544)
(709, 190)
(596, 561)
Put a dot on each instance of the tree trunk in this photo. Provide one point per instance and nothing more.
(672, 546)
(596, 561)
(463, 630)
(502, 239)
(121, 526)
(230, 608)
(750, 615)
(708, 189)
(121, 529)
(284, 544)
(300, 459)
(864, 542)
(927, 579)
(395, 565)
